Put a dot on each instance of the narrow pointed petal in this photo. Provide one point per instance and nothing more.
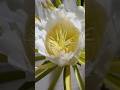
(79, 79)
(56, 77)
(67, 78)
(44, 70)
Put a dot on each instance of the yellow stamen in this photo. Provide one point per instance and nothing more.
(62, 37)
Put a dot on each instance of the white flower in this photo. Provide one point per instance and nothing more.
(61, 35)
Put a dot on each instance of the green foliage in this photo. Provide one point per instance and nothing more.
(39, 58)
(57, 3)
(78, 2)
(43, 70)
(78, 77)
(57, 74)
(67, 78)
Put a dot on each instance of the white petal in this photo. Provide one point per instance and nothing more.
(40, 10)
(70, 15)
(80, 12)
(63, 59)
(39, 40)
(39, 44)
(70, 5)
(82, 34)
(77, 23)
(40, 23)
(39, 34)
(82, 41)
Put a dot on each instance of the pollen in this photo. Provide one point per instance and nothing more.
(63, 37)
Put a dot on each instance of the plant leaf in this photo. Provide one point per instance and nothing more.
(42, 72)
(39, 58)
(67, 78)
(56, 77)
(43, 66)
(78, 77)
(36, 50)
(50, 4)
(78, 2)
(57, 3)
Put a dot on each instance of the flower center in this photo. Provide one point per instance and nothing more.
(63, 37)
